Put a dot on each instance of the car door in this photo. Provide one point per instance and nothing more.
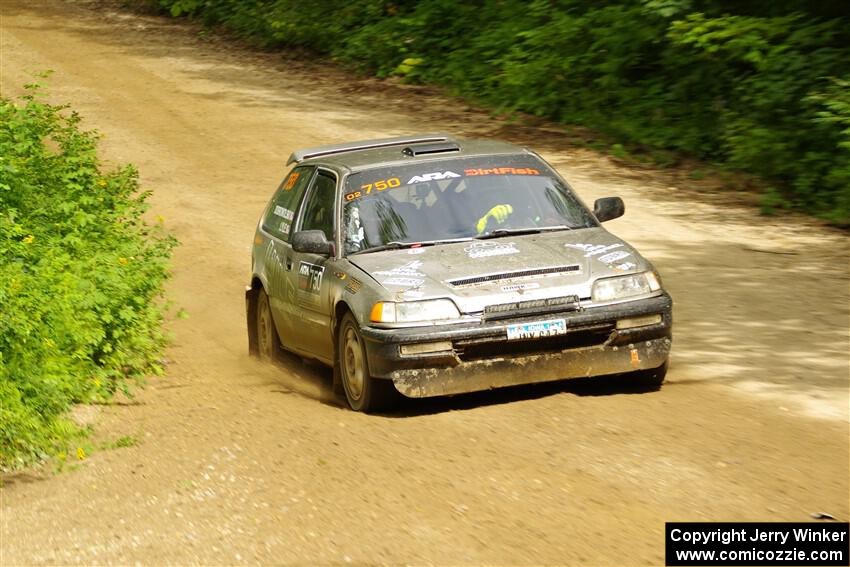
(310, 275)
(277, 252)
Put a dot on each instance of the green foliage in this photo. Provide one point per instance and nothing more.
(81, 278)
(755, 85)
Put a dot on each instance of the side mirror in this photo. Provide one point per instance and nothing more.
(608, 208)
(312, 242)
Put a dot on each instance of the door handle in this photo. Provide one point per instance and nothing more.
(288, 263)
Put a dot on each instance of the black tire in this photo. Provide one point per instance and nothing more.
(362, 391)
(268, 341)
(649, 380)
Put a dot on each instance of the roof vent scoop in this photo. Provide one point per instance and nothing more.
(426, 149)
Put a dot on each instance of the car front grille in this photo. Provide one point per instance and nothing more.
(478, 349)
(531, 307)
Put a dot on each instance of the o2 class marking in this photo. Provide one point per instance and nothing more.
(367, 188)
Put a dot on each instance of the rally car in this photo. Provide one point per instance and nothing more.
(431, 266)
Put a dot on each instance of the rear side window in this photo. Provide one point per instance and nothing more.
(284, 206)
(319, 210)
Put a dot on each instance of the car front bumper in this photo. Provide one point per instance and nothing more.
(482, 357)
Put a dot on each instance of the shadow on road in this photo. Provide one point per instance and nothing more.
(599, 386)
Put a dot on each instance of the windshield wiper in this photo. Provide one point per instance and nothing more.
(500, 232)
(396, 244)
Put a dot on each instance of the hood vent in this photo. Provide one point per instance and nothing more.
(427, 149)
(511, 275)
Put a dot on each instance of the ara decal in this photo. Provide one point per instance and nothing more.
(436, 176)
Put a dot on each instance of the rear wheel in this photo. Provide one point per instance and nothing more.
(363, 392)
(268, 342)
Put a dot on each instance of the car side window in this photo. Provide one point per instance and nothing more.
(284, 206)
(319, 210)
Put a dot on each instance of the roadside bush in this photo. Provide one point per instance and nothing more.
(752, 85)
(81, 278)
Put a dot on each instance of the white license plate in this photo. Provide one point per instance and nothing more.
(537, 329)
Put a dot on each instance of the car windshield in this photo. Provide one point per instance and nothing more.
(463, 198)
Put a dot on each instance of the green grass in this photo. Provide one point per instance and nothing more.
(81, 279)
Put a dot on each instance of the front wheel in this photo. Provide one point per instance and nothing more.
(363, 392)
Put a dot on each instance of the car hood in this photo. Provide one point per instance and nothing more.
(501, 270)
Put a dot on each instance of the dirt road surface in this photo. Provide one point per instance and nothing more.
(237, 462)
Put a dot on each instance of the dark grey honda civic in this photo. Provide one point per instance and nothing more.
(430, 265)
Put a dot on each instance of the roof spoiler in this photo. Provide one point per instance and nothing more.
(300, 155)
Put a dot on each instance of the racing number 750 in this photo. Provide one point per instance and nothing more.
(381, 185)
(366, 188)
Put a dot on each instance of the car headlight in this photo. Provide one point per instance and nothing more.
(621, 287)
(414, 311)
